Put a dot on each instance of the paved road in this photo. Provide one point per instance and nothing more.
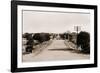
(55, 51)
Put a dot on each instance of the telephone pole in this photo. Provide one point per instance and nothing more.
(77, 29)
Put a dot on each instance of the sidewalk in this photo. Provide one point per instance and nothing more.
(39, 48)
(70, 44)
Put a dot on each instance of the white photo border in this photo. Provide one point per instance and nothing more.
(52, 63)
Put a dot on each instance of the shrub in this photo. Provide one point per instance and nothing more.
(41, 37)
(83, 40)
(29, 48)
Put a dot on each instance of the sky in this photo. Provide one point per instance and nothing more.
(54, 22)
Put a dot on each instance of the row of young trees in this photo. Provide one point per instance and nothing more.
(82, 40)
(35, 39)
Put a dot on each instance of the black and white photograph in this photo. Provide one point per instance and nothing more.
(54, 36)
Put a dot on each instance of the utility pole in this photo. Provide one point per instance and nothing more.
(68, 32)
(77, 29)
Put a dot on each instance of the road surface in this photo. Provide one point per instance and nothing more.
(57, 50)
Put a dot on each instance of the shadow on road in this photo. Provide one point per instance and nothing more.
(61, 49)
(68, 49)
